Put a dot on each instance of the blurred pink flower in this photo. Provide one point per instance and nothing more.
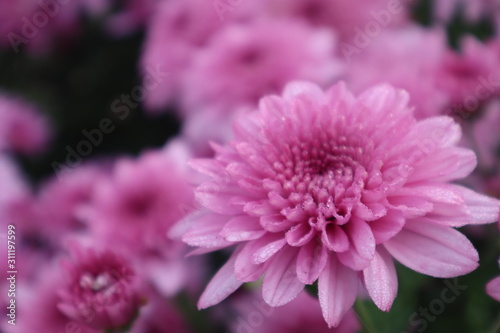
(245, 61)
(100, 289)
(469, 78)
(37, 25)
(37, 309)
(142, 198)
(16, 198)
(23, 128)
(483, 137)
(346, 17)
(303, 314)
(176, 31)
(387, 57)
(329, 187)
(486, 138)
(59, 200)
(134, 208)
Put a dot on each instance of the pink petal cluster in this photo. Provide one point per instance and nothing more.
(143, 198)
(134, 209)
(325, 186)
(100, 290)
(38, 307)
(23, 128)
(346, 17)
(37, 25)
(440, 81)
(470, 78)
(58, 201)
(386, 59)
(262, 57)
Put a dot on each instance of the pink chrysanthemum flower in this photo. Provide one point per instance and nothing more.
(176, 31)
(58, 201)
(37, 308)
(386, 59)
(346, 17)
(331, 187)
(134, 208)
(246, 61)
(469, 78)
(101, 290)
(22, 127)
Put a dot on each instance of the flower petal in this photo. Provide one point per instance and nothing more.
(281, 284)
(242, 228)
(245, 269)
(337, 291)
(433, 249)
(311, 261)
(493, 288)
(388, 226)
(362, 247)
(444, 165)
(205, 232)
(222, 284)
(482, 209)
(334, 238)
(300, 234)
(267, 246)
(381, 280)
(216, 196)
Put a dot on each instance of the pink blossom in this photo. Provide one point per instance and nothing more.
(37, 309)
(36, 26)
(331, 187)
(469, 78)
(59, 200)
(175, 32)
(347, 17)
(16, 198)
(245, 61)
(387, 57)
(134, 208)
(100, 289)
(22, 127)
(486, 138)
(303, 314)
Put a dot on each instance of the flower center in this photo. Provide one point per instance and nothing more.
(322, 180)
(97, 283)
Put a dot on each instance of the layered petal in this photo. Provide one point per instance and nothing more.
(281, 284)
(381, 280)
(223, 284)
(337, 290)
(433, 249)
